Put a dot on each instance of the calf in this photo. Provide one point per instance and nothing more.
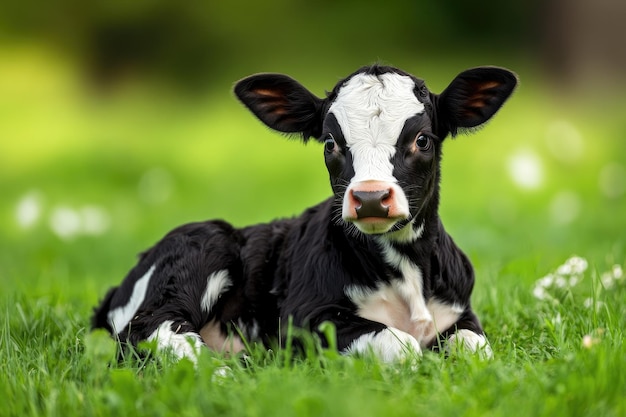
(374, 259)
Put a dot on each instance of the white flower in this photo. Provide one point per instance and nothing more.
(560, 282)
(590, 302)
(565, 269)
(577, 264)
(567, 275)
(588, 341)
(539, 292)
(607, 279)
(546, 281)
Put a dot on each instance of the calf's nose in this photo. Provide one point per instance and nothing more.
(371, 203)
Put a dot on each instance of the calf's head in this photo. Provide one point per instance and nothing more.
(382, 131)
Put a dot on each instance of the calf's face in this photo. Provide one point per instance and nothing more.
(380, 151)
(382, 131)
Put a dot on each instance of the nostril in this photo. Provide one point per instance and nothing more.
(386, 199)
(356, 200)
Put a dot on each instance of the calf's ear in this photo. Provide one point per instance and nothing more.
(473, 97)
(282, 103)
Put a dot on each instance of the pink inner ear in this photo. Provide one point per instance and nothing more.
(480, 95)
(271, 101)
(489, 85)
(266, 93)
(481, 91)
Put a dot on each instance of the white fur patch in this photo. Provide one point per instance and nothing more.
(411, 289)
(182, 345)
(383, 305)
(465, 339)
(444, 314)
(371, 111)
(389, 345)
(407, 234)
(119, 317)
(217, 283)
(399, 304)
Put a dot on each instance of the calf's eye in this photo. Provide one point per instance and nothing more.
(422, 142)
(329, 143)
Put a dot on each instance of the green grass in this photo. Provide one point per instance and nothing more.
(150, 163)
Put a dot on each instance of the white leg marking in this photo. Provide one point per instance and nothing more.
(119, 317)
(465, 339)
(217, 283)
(389, 345)
(182, 345)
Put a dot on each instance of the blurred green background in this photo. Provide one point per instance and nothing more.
(118, 123)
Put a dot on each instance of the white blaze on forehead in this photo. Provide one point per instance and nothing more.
(371, 111)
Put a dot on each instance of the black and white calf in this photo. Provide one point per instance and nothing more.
(374, 259)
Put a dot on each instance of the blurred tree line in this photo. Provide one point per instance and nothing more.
(191, 43)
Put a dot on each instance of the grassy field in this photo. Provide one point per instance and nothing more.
(537, 199)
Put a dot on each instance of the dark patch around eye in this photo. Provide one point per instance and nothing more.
(331, 125)
(412, 126)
